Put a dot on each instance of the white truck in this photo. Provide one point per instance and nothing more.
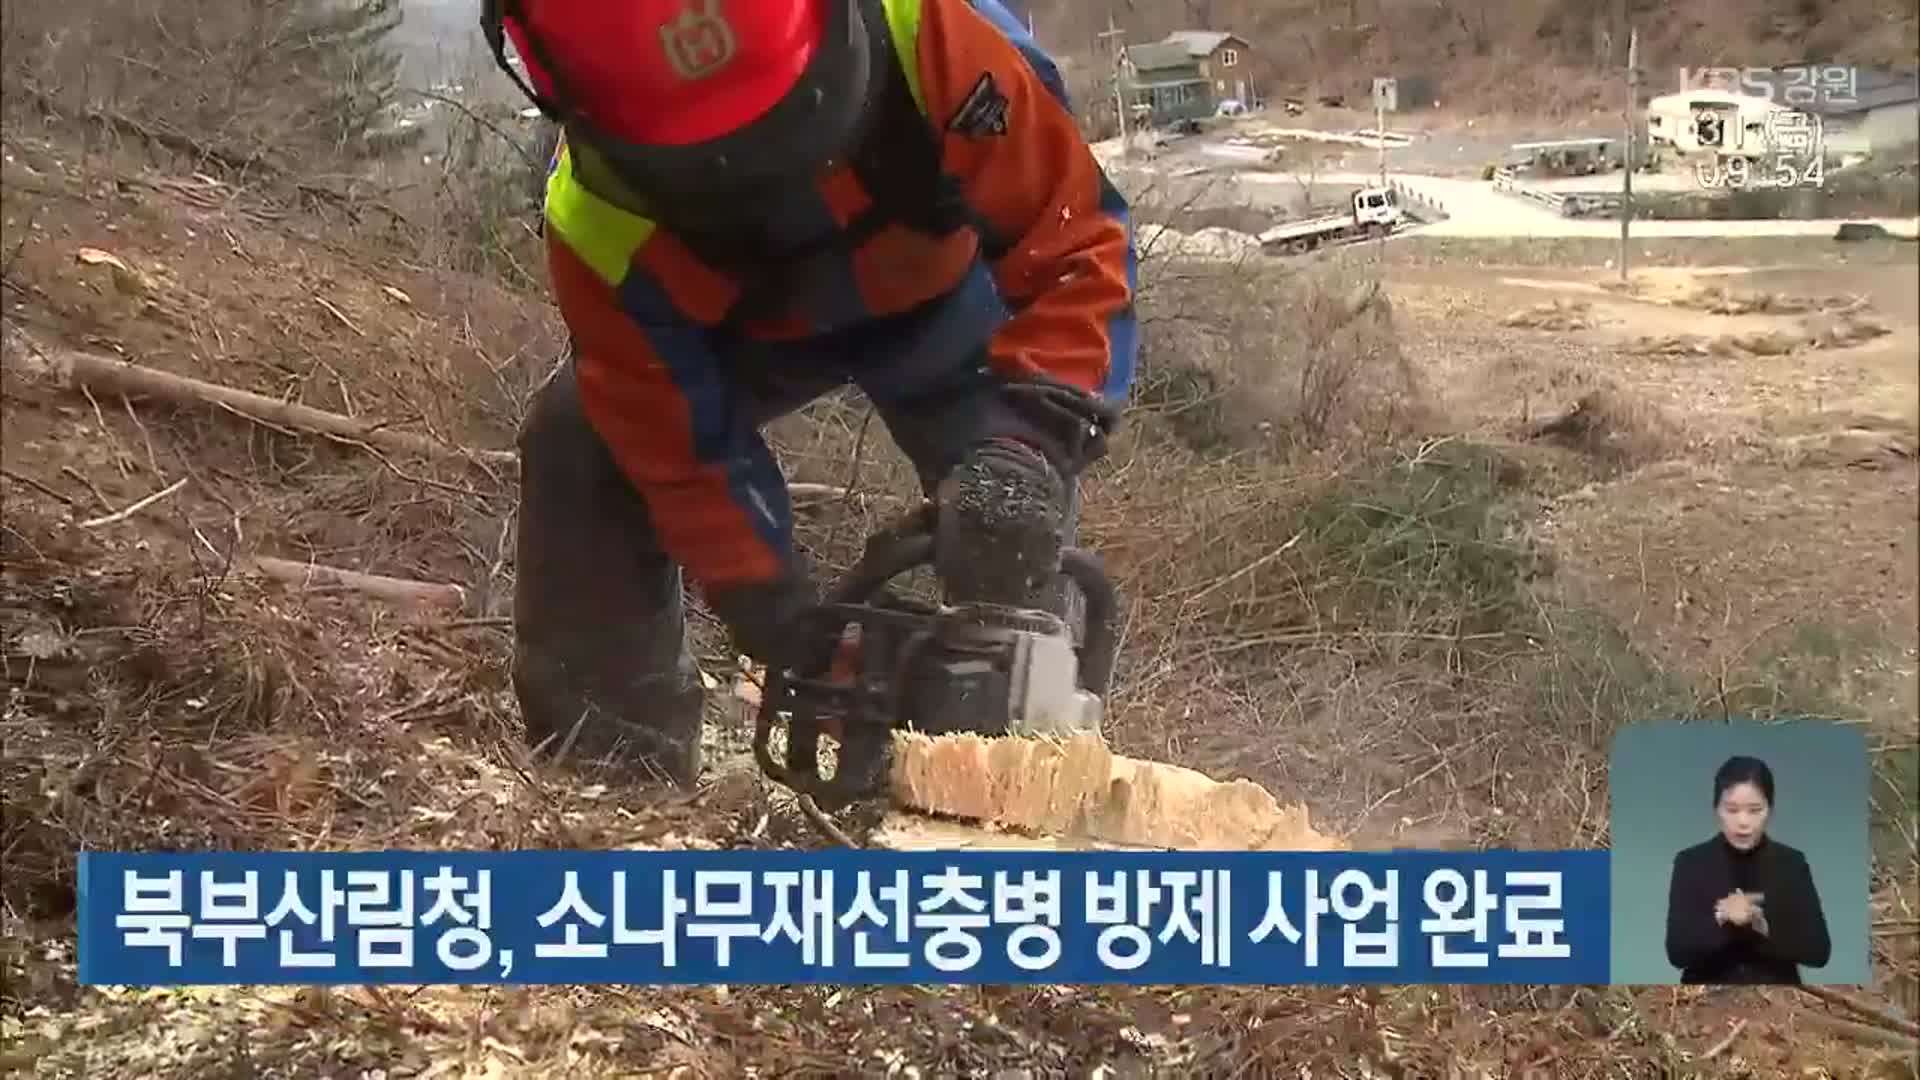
(1375, 212)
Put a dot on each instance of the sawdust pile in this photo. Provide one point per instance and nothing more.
(1720, 300)
(1214, 243)
(1559, 315)
(1819, 332)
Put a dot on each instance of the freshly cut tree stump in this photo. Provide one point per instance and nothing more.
(1018, 792)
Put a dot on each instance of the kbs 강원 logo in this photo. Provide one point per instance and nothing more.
(698, 42)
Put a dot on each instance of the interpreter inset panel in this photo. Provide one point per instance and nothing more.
(1740, 854)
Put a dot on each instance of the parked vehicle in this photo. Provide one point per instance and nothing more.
(1375, 211)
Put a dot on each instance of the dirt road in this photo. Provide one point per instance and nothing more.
(1474, 208)
(1215, 171)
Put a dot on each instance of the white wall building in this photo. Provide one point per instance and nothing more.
(1715, 121)
(1879, 114)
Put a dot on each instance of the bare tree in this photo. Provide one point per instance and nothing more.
(238, 80)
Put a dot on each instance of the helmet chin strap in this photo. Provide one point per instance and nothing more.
(598, 177)
(493, 26)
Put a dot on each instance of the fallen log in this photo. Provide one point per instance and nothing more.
(1016, 792)
(85, 370)
(1862, 1033)
(114, 376)
(1864, 1011)
(400, 592)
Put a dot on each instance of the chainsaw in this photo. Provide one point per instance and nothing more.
(937, 668)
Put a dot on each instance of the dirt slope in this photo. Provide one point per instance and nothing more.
(1773, 415)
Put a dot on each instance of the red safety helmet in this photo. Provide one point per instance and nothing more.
(697, 104)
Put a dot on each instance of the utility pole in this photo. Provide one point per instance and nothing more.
(1626, 171)
(1380, 133)
(1115, 38)
(1384, 88)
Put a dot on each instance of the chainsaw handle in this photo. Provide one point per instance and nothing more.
(883, 562)
(1102, 604)
(880, 565)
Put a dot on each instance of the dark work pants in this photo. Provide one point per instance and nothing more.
(602, 666)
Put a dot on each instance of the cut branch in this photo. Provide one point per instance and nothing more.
(122, 515)
(87, 371)
(1898, 1024)
(801, 489)
(401, 592)
(1867, 1033)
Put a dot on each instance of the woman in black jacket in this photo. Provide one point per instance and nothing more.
(1742, 908)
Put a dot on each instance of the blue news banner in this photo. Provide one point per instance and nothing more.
(842, 917)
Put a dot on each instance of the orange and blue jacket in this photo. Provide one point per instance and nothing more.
(642, 308)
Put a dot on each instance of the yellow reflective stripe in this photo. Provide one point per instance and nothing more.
(903, 18)
(603, 235)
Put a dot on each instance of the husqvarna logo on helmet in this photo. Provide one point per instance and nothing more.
(698, 42)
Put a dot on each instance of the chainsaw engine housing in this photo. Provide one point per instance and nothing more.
(997, 671)
(980, 668)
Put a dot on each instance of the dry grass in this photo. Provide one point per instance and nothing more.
(377, 335)
(1615, 430)
(298, 103)
(1721, 300)
(1840, 332)
(473, 202)
(157, 705)
(1561, 315)
(267, 85)
(1258, 355)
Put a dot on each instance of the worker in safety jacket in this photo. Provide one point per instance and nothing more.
(756, 202)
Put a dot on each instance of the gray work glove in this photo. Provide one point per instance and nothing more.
(1001, 524)
(777, 623)
(1066, 424)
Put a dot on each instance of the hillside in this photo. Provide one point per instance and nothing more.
(1503, 55)
(1406, 533)
(1354, 636)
